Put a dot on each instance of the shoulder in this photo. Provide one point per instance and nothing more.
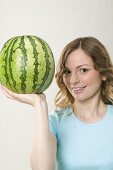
(60, 113)
(56, 118)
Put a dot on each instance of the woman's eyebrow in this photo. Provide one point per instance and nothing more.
(81, 65)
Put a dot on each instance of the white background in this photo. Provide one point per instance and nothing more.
(57, 22)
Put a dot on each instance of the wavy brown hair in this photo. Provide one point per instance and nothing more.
(102, 63)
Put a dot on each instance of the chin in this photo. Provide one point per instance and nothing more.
(80, 98)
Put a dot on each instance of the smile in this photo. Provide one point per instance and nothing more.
(78, 89)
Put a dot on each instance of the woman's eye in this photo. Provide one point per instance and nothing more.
(83, 70)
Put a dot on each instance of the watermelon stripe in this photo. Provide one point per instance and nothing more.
(9, 61)
(47, 66)
(35, 78)
(23, 64)
(51, 66)
(7, 46)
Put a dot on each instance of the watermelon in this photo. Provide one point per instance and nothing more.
(26, 64)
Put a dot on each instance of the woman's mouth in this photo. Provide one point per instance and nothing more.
(78, 90)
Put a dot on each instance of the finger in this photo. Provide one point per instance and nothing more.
(9, 93)
(6, 94)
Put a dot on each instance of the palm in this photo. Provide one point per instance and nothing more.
(31, 99)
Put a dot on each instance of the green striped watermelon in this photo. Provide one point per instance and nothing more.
(26, 64)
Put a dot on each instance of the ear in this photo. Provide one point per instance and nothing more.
(104, 78)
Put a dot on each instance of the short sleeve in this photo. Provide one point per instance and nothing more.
(55, 120)
(53, 124)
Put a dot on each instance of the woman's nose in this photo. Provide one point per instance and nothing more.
(74, 78)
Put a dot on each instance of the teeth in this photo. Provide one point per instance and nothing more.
(78, 88)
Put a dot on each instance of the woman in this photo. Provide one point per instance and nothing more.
(79, 133)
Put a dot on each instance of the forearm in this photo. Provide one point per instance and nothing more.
(44, 151)
(43, 158)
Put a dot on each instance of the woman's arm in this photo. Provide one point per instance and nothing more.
(43, 156)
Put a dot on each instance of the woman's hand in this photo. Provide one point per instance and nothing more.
(32, 99)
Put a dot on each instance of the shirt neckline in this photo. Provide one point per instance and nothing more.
(94, 123)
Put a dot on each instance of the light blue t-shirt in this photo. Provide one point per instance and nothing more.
(80, 145)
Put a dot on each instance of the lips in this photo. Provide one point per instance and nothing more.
(78, 89)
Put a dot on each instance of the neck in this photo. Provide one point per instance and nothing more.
(90, 112)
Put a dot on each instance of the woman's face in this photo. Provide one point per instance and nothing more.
(80, 77)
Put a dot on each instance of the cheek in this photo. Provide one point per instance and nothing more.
(65, 81)
(93, 79)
